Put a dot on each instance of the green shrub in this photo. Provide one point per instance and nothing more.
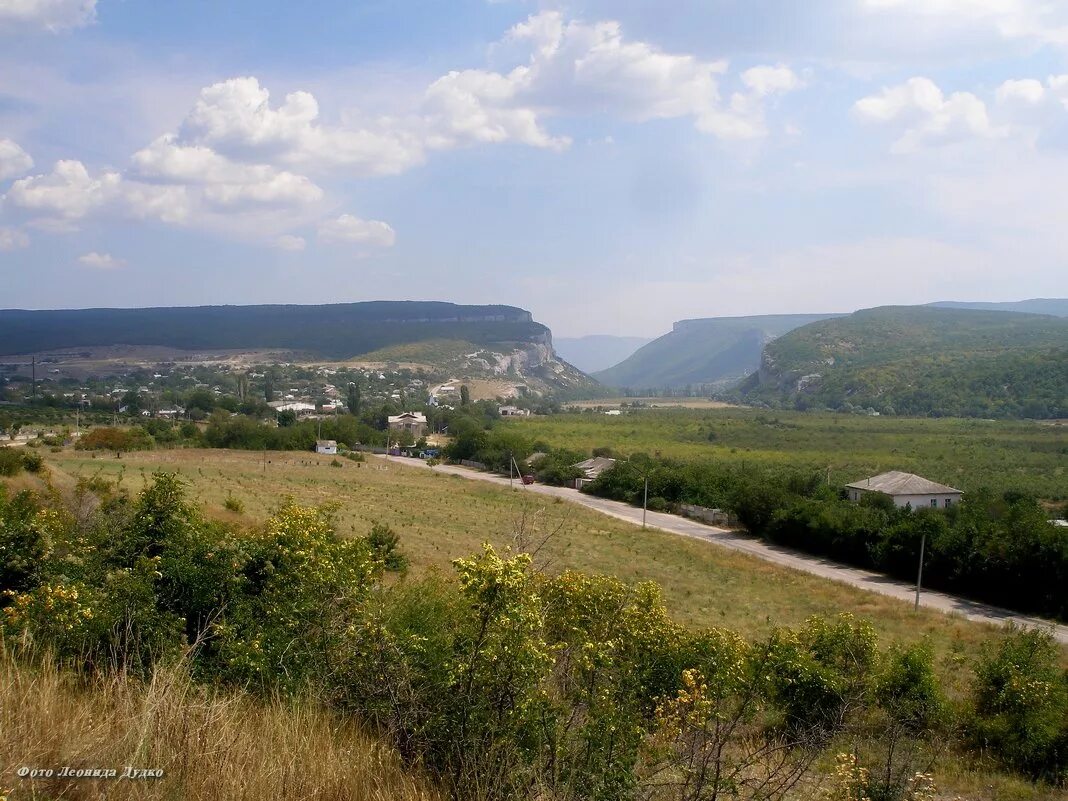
(116, 439)
(11, 462)
(385, 547)
(1020, 704)
(234, 504)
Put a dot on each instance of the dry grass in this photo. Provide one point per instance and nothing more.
(210, 745)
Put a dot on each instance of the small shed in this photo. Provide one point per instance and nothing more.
(327, 447)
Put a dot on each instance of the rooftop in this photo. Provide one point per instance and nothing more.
(417, 417)
(898, 483)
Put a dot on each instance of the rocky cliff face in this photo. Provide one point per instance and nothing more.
(534, 363)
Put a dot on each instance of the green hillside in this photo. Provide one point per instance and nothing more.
(339, 330)
(714, 351)
(921, 360)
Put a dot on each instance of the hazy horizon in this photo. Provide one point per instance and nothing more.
(612, 167)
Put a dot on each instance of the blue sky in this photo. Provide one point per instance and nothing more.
(611, 166)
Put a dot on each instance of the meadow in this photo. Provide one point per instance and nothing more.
(1024, 456)
(441, 517)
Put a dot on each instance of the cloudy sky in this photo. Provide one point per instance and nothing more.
(612, 166)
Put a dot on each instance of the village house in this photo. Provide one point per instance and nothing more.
(906, 489)
(328, 447)
(591, 468)
(512, 411)
(300, 407)
(413, 423)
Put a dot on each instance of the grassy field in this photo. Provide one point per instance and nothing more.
(442, 517)
(652, 403)
(968, 454)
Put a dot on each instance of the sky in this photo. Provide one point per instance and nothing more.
(610, 166)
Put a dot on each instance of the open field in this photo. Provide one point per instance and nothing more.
(969, 454)
(440, 518)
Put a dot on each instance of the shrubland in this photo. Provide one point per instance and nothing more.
(498, 679)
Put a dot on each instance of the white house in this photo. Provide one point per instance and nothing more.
(906, 489)
(327, 447)
(300, 407)
(512, 411)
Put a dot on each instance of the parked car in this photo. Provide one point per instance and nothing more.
(528, 479)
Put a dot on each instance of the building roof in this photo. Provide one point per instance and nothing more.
(898, 483)
(595, 466)
(325, 443)
(415, 417)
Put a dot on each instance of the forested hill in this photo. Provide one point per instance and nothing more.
(712, 351)
(339, 330)
(921, 360)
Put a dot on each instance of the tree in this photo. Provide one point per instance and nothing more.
(268, 385)
(287, 418)
(465, 395)
(355, 399)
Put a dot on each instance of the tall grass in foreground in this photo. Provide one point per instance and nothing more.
(210, 745)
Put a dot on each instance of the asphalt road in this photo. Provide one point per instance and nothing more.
(855, 577)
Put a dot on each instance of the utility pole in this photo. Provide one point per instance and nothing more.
(264, 458)
(511, 463)
(919, 573)
(645, 500)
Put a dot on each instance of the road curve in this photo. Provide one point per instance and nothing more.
(855, 577)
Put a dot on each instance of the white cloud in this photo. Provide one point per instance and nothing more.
(13, 239)
(348, 228)
(577, 68)
(101, 261)
(566, 67)
(290, 242)
(1028, 91)
(14, 161)
(69, 191)
(52, 15)
(224, 182)
(235, 117)
(929, 116)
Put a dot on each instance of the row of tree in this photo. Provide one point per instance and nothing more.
(998, 549)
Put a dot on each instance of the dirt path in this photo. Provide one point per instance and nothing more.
(855, 577)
